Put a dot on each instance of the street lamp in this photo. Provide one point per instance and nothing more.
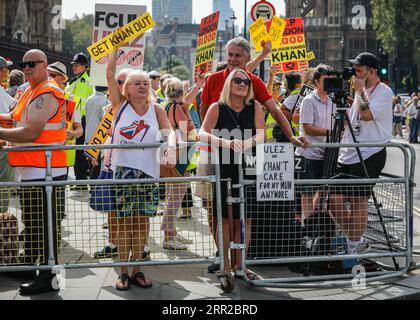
(233, 18)
(220, 40)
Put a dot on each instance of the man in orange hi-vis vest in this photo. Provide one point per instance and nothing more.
(38, 120)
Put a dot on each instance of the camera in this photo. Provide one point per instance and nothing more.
(339, 83)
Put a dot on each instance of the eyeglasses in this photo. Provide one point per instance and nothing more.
(30, 64)
(238, 81)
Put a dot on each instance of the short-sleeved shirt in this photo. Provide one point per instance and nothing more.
(290, 101)
(317, 113)
(215, 83)
(379, 130)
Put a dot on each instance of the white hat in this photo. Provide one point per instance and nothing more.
(60, 68)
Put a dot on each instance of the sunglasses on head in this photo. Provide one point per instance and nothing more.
(30, 64)
(238, 81)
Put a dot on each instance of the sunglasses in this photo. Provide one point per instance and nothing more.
(238, 81)
(154, 77)
(53, 75)
(30, 64)
(120, 82)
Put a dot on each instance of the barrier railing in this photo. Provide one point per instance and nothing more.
(316, 249)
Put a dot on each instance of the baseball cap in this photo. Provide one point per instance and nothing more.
(154, 74)
(80, 58)
(60, 68)
(4, 63)
(366, 59)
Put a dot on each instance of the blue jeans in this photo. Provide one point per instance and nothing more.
(413, 129)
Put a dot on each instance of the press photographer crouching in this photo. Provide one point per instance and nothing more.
(370, 116)
(315, 122)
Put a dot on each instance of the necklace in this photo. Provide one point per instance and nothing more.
(234, 117)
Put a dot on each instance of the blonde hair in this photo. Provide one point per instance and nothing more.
(174, 88)
(396, 100)
(308, 77)
(130, 79)
(225, 95)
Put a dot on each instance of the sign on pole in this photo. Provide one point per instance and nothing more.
(206, 45)
(275, 172)
(291, 55)
(131, 54)
(264, 10)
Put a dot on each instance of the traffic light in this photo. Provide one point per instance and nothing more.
(383, 64)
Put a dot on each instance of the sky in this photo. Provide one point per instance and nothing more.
(201, 8)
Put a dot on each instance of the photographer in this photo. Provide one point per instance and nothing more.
(371, 118)
(315, 124)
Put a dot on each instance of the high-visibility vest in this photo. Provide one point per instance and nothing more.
(54, 132)
(81, 88)
(270, 123)
(295, 126)
(160, 93)
(73, 104)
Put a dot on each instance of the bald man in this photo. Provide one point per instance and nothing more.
(38, 119)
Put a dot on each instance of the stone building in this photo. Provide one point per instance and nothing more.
(29, 21)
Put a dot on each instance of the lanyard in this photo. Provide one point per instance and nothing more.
(374, 88)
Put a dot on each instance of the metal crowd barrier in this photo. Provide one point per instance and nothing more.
(317, 253)
(80, 232)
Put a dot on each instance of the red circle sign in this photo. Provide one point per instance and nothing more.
(263, 9)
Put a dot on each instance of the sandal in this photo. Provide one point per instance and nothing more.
(123, 278)
(140, 275)
(251, 276)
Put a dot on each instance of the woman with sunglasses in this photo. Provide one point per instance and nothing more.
(137, 119)
(235, 125)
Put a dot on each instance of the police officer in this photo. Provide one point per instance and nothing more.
(80, 87)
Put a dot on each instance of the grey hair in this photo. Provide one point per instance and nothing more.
(240, 42)
(174, 88)
(227, 89)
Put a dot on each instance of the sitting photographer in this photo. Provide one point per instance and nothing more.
(315, 124)
(371, 118)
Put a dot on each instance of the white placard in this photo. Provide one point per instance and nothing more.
(107, 19)
(275, 172)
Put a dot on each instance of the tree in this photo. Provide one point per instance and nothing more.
(181, 72)
(396, 23)
(78, 34)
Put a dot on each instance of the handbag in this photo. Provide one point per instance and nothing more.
(102, 198)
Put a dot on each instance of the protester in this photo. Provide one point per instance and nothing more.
(154, 77)
(4, 70)
(38, 119)
(58, 72)
(397, 111)
(161, 91)
(414, 114)
(133, 216)
(16, 78)
(371, 119)
(80, 87)
(235, 123)
(316, 124)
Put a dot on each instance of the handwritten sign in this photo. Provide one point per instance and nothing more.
(276, 31)
(258, 33)
(275, 172)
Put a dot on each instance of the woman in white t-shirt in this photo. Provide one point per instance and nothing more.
(137, 119)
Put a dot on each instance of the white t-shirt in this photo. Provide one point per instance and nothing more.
(6, 101)
(290, 101)
(317, 113)
(379, 130)
(133, 129)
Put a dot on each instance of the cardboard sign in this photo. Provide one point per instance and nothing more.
(121, 36)
(206, 45)
(276, 31)
(275, 172)
(291, 55)
(258, 33)
(100, 135)
(310, 55)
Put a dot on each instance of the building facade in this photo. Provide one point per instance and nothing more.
(31, 22)
(336, 30)
(179, 10)
(225, 12)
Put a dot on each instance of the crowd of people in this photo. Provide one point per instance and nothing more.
(231, 109)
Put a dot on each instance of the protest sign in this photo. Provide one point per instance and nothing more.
(100, 135)
(206, 44)
(276, 31)
(258, 33)
(304, 91)
(310, 55)
(131, 54)
(291, 55)
(275, 172)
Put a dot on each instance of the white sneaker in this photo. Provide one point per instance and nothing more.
(183, 240)
(174, 244)
(363, 246)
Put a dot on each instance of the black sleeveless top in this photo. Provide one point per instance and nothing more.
(235, 125)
